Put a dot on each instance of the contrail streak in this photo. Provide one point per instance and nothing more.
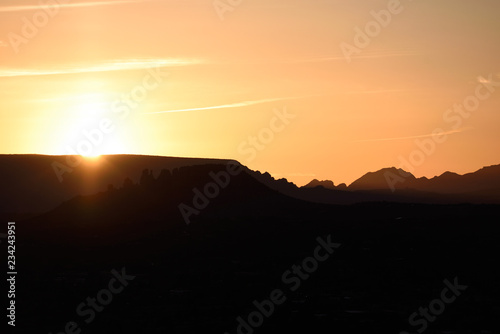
(232, 105)
(67, 5)
(366, 56)
(412, 137)
(115, 65)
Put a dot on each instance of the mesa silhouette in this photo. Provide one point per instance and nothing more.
(31, 186)
(203, 276)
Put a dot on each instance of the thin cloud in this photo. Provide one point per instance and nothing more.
(362, 56)
(72, 98)
(232, 105)
(412, 137)
(8, 9)
(116, 65)
(325, 58)
(378, 91)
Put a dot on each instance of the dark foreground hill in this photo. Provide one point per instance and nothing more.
(33, 184)
(363, 268)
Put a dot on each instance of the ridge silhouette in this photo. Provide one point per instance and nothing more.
(30, 186)
(202, 276)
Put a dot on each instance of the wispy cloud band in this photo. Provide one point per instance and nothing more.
(412, 137)
(115, 65)
(233, 105)
(385, 54)
(61, 4)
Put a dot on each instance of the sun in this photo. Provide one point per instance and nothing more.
(90, 129)
(91, 156)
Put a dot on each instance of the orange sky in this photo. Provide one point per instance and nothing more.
(201, 78)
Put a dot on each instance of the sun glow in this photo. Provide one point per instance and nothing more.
(89, 129)
(91, 157)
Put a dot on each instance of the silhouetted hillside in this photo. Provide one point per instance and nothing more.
(30, 184)
(157, 200)
(327, 184)
(200, 277)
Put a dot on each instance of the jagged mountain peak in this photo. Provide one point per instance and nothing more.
(328, 184)
(381, 179)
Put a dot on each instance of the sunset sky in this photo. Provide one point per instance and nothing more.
(207, 75)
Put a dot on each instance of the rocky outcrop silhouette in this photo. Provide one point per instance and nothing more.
(30, 185)
(327, 184)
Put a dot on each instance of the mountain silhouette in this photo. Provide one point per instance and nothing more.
(486, 179)
(327, 184)
(31, 186)
(379, 180)
(482, 186)
(205, 274)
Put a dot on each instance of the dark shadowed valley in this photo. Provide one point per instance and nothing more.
(184, 246)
